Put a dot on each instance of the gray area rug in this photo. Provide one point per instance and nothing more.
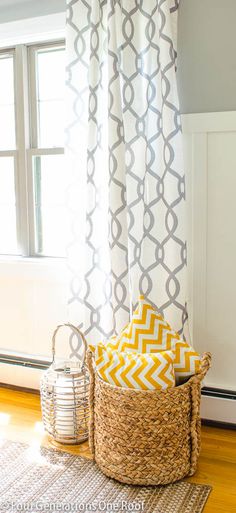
(46, 480)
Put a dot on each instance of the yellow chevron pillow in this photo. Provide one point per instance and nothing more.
(141, 371)
(148, 332)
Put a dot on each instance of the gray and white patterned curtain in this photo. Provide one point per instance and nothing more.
(124, 153)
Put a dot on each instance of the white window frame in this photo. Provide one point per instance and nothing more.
(26, 142)
(13, 153)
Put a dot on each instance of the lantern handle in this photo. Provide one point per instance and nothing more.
(77, 332)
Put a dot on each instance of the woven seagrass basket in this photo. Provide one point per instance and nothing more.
(146, 437)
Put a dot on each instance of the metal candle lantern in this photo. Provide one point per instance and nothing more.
(64, 396)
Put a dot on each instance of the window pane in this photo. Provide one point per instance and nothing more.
(50, 91)
(7, 108)
(8, 237)
(51, 215)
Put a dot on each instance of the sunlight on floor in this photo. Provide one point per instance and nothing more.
(4, 419)
(38, 428)
(34, 453)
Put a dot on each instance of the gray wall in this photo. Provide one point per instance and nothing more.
(12, 10)
(207, 55)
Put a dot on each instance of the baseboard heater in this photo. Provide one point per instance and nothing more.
(218, 405)
(219, 392)
(25, 361)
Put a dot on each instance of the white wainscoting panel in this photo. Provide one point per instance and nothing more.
(210, 160)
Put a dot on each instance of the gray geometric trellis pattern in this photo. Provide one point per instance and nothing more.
(124, 150)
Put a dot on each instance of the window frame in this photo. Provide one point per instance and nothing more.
(13, 152)
(26, 136)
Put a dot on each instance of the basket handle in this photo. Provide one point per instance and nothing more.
(77, 332)
(91, 402)
(205, 365)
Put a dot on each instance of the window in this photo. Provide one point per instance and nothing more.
(33, 216)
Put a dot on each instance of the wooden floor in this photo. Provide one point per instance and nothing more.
(20, 420)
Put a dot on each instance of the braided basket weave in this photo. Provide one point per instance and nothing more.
(146, 437)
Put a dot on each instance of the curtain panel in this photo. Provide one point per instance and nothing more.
(124, 158)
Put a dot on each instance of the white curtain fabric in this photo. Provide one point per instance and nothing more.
(124, 153)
